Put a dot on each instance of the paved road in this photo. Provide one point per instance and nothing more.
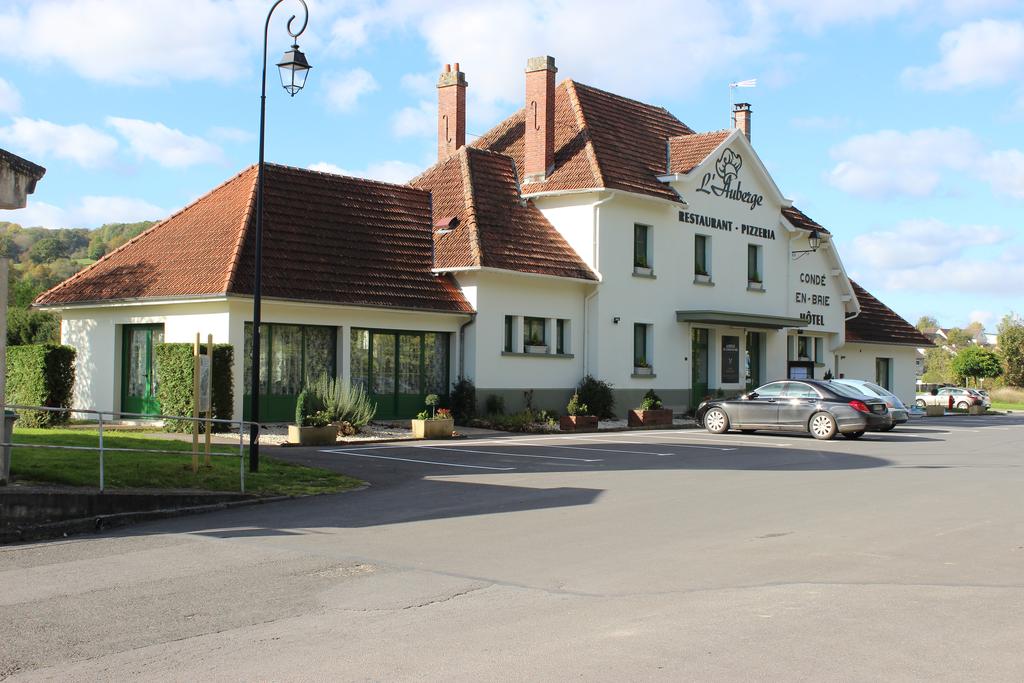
(652, 555)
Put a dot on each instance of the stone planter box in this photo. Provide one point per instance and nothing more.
(433, 429)
(934, 411)
(578, 423)
(659, 417)
(529, 348)
(976, 410)
(312, 436)
(643, 371)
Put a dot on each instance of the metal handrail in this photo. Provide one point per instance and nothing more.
(242, 424)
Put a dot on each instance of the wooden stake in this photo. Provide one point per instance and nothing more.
(195, 405)
(209, 394)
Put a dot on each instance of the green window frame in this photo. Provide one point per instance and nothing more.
(535, 332)
(641, 246)
(700, 255)
(754, 359)
(291, 356)
(560, 336)
(754, 273)
(640, 338)
(509, 333)
(399, 368)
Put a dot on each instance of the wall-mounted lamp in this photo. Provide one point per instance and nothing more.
(814, 241)
(616, 320)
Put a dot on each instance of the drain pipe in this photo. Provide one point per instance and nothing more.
(586, 300)
(462, 344)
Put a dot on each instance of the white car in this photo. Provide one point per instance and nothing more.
(897, 409)
(962, 398)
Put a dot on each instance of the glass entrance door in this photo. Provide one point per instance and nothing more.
(699, 364)
(138, 368)
(399, 369)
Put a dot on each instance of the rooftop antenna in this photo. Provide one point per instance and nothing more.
(749, 83)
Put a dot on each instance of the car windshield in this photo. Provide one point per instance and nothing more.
(847, 391)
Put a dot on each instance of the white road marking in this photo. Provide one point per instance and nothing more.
(533, 442)
(425, 462)
(509, 455)
(746, 439)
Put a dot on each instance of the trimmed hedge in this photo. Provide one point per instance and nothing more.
(174, 391)
(41, 375)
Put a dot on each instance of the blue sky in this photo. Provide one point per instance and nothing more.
(895, 124)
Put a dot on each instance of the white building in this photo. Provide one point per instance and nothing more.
(586, 234)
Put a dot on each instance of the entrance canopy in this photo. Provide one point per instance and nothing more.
(767, 322)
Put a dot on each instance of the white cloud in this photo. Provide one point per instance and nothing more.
(1004, 170)
(344, 91)
(421, 84)
(981, 53)
(393, 171)
(890, 163)
(820, 122)
(43, 140)
(984, 317)
(141, 45)
(10, 98)
(229, 134)
(166, 146)
(89, 212)
(821, 13)
(415, 121)
(934, 257)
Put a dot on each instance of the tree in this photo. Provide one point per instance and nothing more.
(976, 330)
(31, 327)
(47, 250)
(1009, 321)
(937, 368)
(1011, 347)
(927, 324)
(976, 362)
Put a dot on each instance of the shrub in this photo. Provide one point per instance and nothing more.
(651, 401)
(342, 402)
(463, 400)
(524, 421)
(577, 407)
(41, 375)
(174, 390)
(1007, 395)
(494, 405)
(306, 406)
(598, 395)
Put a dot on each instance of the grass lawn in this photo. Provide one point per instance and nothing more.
(139, 469)
(996, 405)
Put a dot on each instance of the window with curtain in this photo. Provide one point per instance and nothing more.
(641, 246)
(700, 255)
(641, 357)
(534, 332)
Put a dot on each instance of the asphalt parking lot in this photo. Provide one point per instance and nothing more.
(630, 555)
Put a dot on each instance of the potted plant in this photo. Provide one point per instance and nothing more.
(642, 267)
(651, 413)
(436, 424)
(754, 281)
(536, 345)
(312, 423)
(701, 276)
(578, 418)
(642, 367)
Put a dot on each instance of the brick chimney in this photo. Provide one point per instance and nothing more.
(540, 118)
(741, 117)
(451, 111)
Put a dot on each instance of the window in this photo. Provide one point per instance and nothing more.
(534, 332)
(771, 390)
(700, 255)
(799, 390)
(509, 338)
(883, 372)
(754, 358)
(754, 264)
(641, 345)
(804, 348)
(641, 246)
(560, 340)
(819, 350)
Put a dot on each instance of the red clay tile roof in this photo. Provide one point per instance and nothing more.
(879, 324)
(801, 220)
(602, 140)
(495, 228)
(685, 152)
(326, 238)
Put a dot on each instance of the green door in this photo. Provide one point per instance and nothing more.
(138, 368)
(398, 369)
(699, 365)
(291, 357)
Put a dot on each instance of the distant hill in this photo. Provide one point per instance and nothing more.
(42, 257)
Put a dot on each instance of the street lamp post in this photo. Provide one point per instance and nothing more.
(294, 69)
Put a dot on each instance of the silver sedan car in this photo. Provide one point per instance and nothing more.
(898, 410)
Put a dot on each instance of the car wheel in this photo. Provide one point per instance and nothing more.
(889, 428)
(716, 421)
(963, 405)
(853, 435)
(822, 426)
(920, 403)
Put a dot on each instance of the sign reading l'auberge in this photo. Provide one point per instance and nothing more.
(725, 182)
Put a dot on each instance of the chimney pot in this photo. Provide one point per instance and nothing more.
(741, 117)
(540, 118)
(451, 111)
